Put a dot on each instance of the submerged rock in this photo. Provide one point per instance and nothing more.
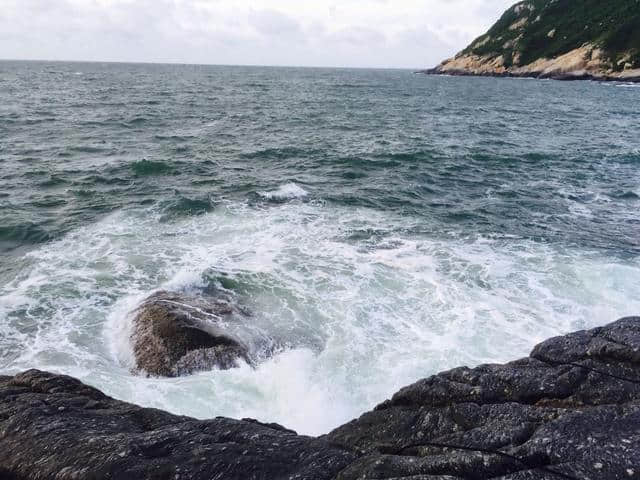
(176, 334)
(569, 411)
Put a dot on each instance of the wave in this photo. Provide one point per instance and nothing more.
(48, 202)
(365, 163)
(281, 153)
(53, 181)
(184, 206)
(143, 168)
(358, 85)
(138, 121)
(365, 306)
(627, 195)
(83, 193)
(105, 180)
(86, 149)
(175, 138)
(21, 234)
(288, 191)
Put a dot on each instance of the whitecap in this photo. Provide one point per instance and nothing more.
(287, 191)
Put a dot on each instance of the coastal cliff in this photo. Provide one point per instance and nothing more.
(559, 39)
(570, 410)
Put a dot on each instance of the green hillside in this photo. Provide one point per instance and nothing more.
(535, 29)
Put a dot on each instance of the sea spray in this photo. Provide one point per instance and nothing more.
(357, 321)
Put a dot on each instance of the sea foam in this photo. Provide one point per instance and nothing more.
(357, 320)
(287, 191)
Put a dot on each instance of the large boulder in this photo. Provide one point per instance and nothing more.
(177, 334)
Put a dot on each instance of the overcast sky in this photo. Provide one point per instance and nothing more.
(356, 33)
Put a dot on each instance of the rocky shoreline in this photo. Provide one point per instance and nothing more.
(555, 39)
(539, 75)
(570, 410)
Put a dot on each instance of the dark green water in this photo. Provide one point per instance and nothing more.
(472, 156)
(387, 224)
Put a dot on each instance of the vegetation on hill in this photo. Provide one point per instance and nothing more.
(535, 29)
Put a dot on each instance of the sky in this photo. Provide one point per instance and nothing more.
(345, 33)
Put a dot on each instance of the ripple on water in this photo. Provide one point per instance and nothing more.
(151, 167)
(381, 225)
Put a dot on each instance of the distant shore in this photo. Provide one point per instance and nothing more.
(566, 76)
(569, 410)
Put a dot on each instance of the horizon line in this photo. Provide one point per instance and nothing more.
(129, 62)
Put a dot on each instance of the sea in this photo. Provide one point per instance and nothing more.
(382, 225)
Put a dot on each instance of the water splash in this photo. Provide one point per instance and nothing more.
(287, 191)
(359, 319)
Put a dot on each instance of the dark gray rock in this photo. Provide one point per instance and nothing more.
(571, 410)
(176, 334)
(54, 427)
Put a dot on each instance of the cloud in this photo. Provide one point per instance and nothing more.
(376, 33)
(360, 36)
(272, 23)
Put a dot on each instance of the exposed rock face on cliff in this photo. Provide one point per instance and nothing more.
(176, 334)
(571, 410)
(561, 39)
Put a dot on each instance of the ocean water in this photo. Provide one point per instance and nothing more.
(382, 226)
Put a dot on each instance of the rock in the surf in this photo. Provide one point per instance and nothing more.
(176, 334)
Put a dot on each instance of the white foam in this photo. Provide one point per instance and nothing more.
(119, 327)
(361, 320)
(285, 192)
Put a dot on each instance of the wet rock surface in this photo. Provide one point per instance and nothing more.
(55, 427)
(176, 334)
(571, 410)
